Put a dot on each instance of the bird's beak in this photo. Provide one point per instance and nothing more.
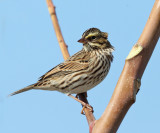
(82, 40)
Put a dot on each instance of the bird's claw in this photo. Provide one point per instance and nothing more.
(87, 106)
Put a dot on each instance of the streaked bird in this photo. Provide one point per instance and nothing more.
(82, 71)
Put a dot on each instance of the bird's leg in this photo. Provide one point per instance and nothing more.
(82, 111)
(85, 105)
(84, 93)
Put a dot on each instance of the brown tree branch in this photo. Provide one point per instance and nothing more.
(63, 46)
(57, 29)
(130, 79)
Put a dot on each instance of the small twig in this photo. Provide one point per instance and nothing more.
(89, 115)
(57, 29)
(63, 46)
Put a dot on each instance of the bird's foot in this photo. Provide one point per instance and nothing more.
(87, 106)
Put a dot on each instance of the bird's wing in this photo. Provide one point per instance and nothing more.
(75, 63)
(64, 69)
(80, 56)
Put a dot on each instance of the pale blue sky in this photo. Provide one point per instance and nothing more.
(29, 48)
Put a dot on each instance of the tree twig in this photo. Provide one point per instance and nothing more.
(130, 79)
(63, 46)
(57, 29)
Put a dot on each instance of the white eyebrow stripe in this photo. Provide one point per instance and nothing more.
(92, 34)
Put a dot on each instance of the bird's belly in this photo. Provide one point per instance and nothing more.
(89, 85)
(85, 82)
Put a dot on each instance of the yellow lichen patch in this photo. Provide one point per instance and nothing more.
(137, 48)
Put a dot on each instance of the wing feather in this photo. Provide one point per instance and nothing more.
(77, 62)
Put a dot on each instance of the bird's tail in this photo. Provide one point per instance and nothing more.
(22, 90)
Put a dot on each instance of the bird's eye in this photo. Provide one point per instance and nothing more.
(93, 37)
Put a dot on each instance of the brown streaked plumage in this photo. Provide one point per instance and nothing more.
(83, 70)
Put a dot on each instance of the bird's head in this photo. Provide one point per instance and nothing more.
(93, 38)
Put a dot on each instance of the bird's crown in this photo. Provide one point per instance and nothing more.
(93, 38)
(94, 32)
